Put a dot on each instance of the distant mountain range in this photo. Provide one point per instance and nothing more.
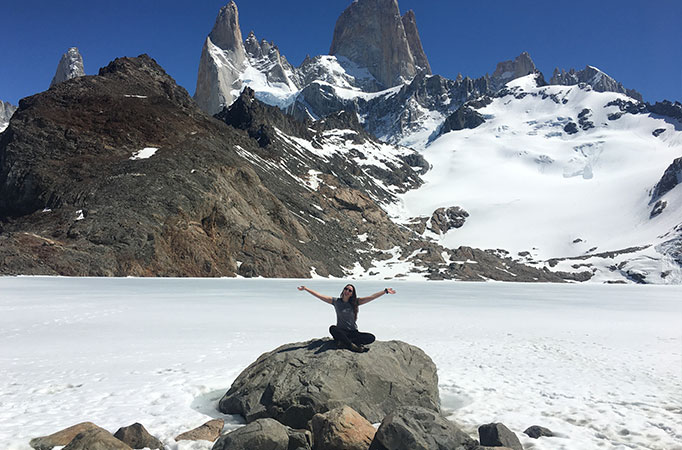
(358, 163)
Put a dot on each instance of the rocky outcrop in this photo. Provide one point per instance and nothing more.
(445, 219)
(6, 111)
(415, 428)
(70, 66)
(598, 80)
(296, 381)
(507, 71)
(210, 431)
(498, 435)
(223, 58)
(372, 34)
(670, 179)
(464, 118)
(137, 437)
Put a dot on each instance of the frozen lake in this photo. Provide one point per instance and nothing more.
(600, 365)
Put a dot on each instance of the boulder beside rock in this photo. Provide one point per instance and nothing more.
(498, 435)
(210, 431)
(341, 429)
(63, 437)
(296, 381)
(137, 436)
(261, 434)
(415, 428)
(96, 439)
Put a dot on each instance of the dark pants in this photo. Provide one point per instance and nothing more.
(351, 336)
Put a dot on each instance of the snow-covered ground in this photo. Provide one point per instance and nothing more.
(599, 365)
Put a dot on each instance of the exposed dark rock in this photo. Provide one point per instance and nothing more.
(498, 435)
(260, 434)
(658, 131)
(300, 439)
(571, 128)
(658, 208)
(62, 437)
(136, 436)
(667, 108)
(415, 428)
(296, 381)
(210, 431)
(445, 219)
(341, 429)
(537, 431)
(670, 179)
(464, 118)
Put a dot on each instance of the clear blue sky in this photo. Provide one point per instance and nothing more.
(638, 42)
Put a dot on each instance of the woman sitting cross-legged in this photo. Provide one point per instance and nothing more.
(345, 332)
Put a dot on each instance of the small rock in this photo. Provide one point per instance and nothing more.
(136, 436)
(537, 431)
(498, 435)
(260, 434)
(210, 431)
(341, 429)
(62, 437)
(413, 427)
(96, 439)
(300, 439)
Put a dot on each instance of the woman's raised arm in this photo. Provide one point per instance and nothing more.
(363, 300)
(324, 298)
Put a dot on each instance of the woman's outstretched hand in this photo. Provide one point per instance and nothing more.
(301, 288)
(390, 291)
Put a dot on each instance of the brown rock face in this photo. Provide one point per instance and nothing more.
(372, 34)
(341, 429)
(62, 437)
(136, 436)
(210, 431)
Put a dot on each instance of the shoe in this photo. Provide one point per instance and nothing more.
(358, 348)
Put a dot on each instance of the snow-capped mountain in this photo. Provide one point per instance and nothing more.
(6, 111)
(560, 176)
(70, 66)
(556, 175)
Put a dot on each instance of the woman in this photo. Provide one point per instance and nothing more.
(345, 332)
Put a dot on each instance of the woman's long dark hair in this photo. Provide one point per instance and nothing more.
(353, 300)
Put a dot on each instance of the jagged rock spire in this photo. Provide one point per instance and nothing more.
(372, 34)
(70, 66)
(507, 71)
(600, 81)
(222, 60)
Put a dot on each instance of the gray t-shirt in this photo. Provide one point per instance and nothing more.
(345, 316)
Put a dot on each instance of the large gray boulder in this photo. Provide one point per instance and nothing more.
(136, 436)
(415, 428)
(295, 381)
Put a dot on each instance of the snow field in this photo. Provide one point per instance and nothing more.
(599, 365)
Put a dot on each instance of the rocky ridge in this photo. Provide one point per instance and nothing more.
(598, 80)
(70, 66)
